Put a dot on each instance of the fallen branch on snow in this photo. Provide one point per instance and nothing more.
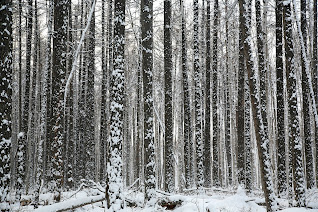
(71, 204)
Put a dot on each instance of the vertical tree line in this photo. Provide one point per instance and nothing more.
(158, 97)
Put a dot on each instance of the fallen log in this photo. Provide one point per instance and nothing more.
(170, 204)
(71, 204)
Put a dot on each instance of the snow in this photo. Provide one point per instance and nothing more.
(213, 200)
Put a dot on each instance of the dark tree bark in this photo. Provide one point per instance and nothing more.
(228, 107)
(207, 136)
(281, 152)
(6, 47)
(240, 106)
(306, 101)
(117, 83)
(215, 145)
(147, 70)
(168, 145)
(257, 112)
(197, 79)
(187, 131)
(58, 74)
(103, 124)
(247, 136)
(295, 147)
(315, 71)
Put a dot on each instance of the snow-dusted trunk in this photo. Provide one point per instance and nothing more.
(5, 100)
(296, 173)
(89, 97)
(147, 71)
(281, 155)
(228, 86)
(260, 130)
(215, 140)
(42, 146)
(247, 136)
(103, 123)
(315, 81)
(114, 187)
(197, 80)
(306, 101)
(58, 76)
(207, 135)
(168, 131)
(240, 106)
(187, 130)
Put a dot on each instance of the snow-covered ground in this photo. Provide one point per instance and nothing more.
(207, 201)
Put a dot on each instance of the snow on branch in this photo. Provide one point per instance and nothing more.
(74, 64)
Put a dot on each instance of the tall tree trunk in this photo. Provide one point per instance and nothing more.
(256, 104)
(215, 140)
(115, 178)
(187, 132)
(240, 106)
(103, 126)
(306, 102)
(228, 86)
(295, 144)
(58, 74)
(6, 40)
(197, 80)
(168, 145)
(315, 71)
(207, 136)
(147, 69)
(281, 155)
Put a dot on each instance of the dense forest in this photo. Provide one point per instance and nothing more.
(158, 97)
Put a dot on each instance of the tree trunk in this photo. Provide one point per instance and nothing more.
(168, 145)
(256, 104)
(6, 48)
(295, 144)
(215, 140)
(281, 155)
(147, 69)
(115, 178)
(58, 74)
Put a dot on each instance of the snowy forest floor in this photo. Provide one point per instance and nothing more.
(212, 200)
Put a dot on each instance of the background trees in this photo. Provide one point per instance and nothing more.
(182, 117)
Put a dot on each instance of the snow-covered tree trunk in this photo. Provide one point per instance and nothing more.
(228, 100)
(89, 98)
(187, 130)
(42, 146)
(58, 75)
(315, 71)
(147, 71)
(103, 123)
(247, 137)
(296, 173)
(240, 105)
(168, 131)
(215, 140)
(207, 131)
(257, 111)
(306, 101)
(114, 187)
(197, 80)
(5, 100)
(281, 152)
